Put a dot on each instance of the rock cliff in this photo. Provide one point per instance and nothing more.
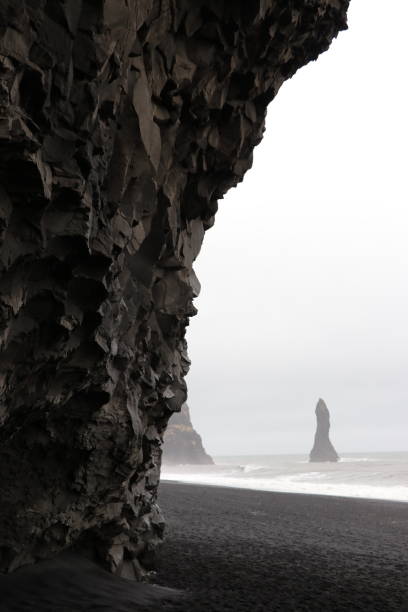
(122, 122)
(323, 449)
(182, 444)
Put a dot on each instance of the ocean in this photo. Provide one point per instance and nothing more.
(367, 475)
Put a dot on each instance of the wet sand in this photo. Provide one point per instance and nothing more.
(247, 551)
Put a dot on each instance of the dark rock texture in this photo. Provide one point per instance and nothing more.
(122, 122)
(323, 449)
(182, 444)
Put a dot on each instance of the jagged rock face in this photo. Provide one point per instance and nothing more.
(182, 444)
(323, 449)
(122, 122)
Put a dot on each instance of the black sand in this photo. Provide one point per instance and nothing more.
(242, 551)
(72, 584)
(249, 551)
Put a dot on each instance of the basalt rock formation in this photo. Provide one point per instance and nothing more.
(182, 444)
(323, 449)
(122, 122)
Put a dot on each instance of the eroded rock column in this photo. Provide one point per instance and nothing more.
(122, 122)
(323, 449)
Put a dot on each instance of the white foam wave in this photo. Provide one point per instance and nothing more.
(254, 468)
(311, 483)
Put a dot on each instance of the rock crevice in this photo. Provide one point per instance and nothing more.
(122, 122)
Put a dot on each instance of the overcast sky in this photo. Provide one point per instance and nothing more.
(304, 276)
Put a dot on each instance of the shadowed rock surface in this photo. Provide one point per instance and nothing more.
(122, 122)
(182, 444)
(70, 583)
(323, 449)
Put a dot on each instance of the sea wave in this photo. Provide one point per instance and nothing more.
(290, 484)
(382, 481)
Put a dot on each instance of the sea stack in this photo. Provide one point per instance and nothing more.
(323, 449)
(182, 444)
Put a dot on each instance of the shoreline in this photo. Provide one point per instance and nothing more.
(331, 495)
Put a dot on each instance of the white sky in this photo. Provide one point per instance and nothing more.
(304, 277)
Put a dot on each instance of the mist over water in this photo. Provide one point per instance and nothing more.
(304, 283)
(368, 475)
(304, 290)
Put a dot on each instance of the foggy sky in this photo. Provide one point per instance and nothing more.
(304, 282)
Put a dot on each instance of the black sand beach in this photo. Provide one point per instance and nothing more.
(237, 550)
(240, 551)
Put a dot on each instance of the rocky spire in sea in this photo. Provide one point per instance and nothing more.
(323, 449)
